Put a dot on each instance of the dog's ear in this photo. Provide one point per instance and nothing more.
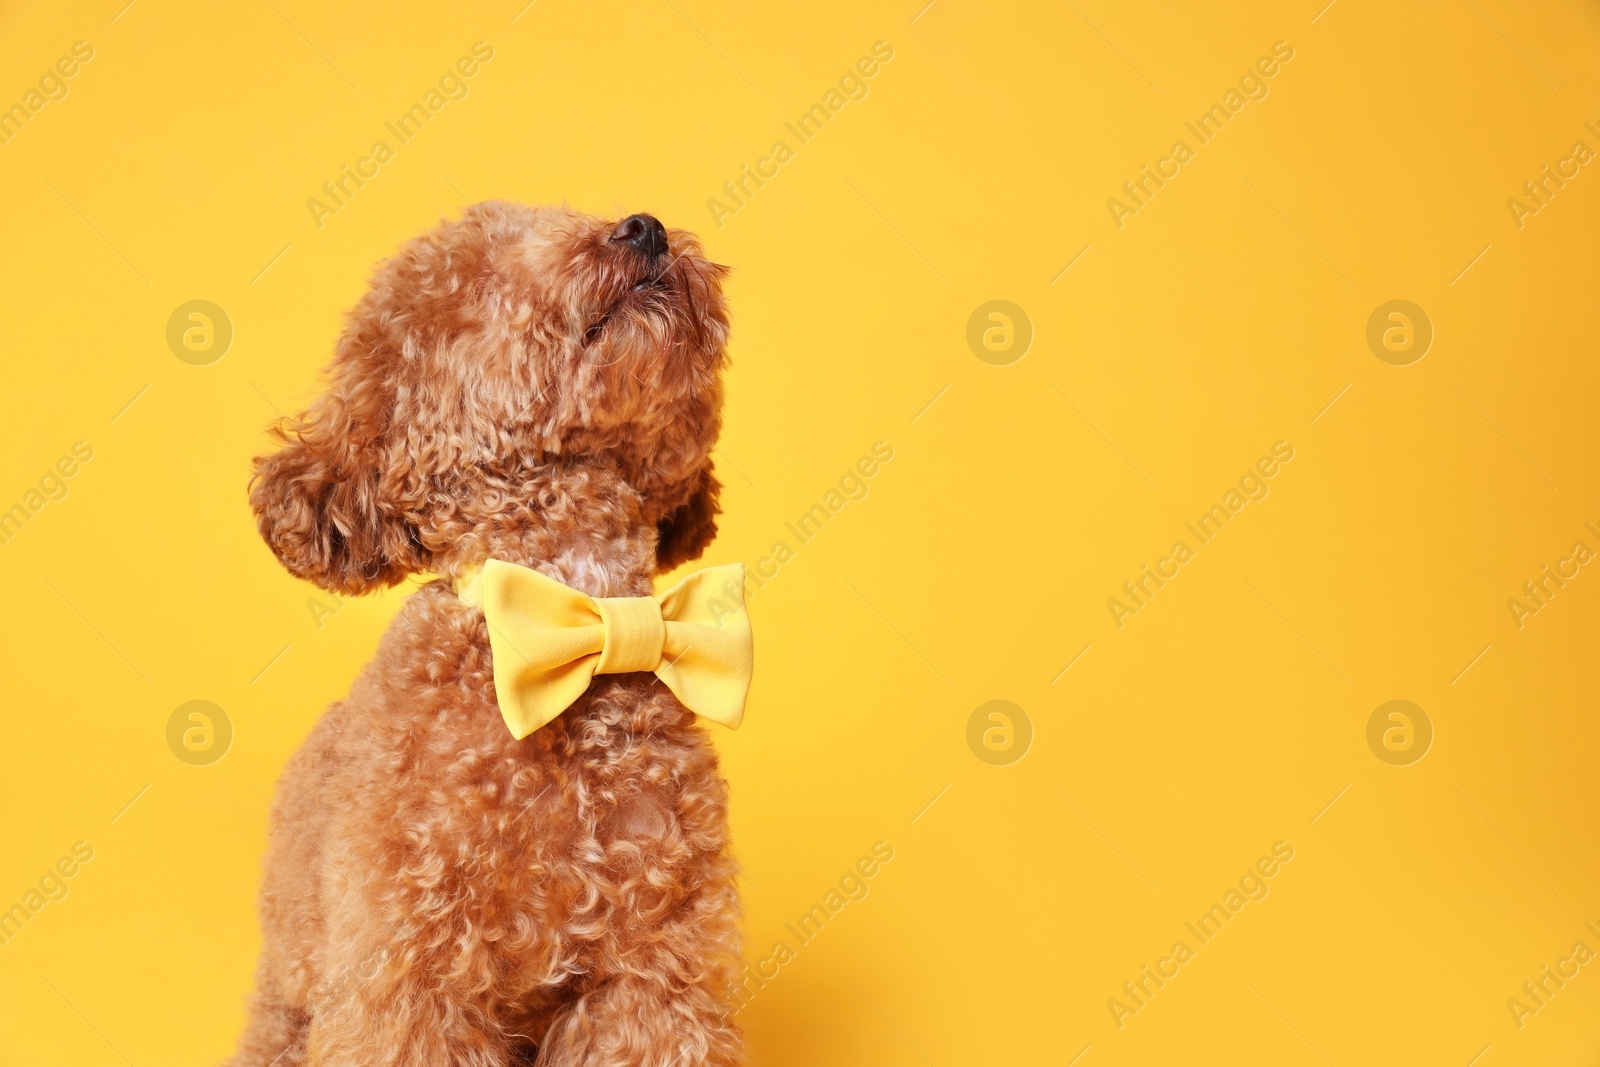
(319, 506)
(686, 531)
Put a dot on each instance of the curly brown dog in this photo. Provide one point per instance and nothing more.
(542, 387)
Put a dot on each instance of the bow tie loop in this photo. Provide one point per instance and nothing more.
(548, 641)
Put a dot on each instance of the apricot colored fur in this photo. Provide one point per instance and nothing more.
(436, 893)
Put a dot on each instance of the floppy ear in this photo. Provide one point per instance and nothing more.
(319, 508)
(685, 532)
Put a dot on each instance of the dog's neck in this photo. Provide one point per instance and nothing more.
(582, 525)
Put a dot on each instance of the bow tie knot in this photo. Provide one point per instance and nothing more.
(636, 634)
(548, 641)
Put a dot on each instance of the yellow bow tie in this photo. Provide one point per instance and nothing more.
(549, 640)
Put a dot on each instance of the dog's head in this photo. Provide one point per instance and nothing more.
(500, 346)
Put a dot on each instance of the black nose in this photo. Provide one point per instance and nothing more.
(643, 232)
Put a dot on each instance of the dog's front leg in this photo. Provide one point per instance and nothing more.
(639, 1021)
(391, 1005)
(657, 983)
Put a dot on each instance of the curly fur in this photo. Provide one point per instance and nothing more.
(437, 894)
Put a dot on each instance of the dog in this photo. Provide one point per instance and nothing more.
(543, 387)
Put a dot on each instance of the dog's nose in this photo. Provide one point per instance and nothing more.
(643, 232)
